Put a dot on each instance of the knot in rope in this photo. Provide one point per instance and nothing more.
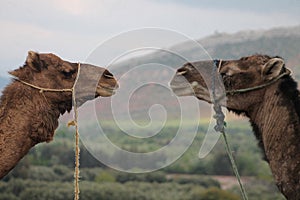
(220, 118)
(219, 115)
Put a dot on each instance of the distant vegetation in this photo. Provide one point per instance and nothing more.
(47, 172)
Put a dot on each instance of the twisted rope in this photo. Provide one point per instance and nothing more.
(72, 123)
(220, 127)
(77, 148)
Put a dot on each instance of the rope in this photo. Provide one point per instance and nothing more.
(238, 91)
(77, 148)
(220, 127)
(41, 89)
(72, 123)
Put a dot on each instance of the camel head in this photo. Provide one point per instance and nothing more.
(195, 79)
(47, 70)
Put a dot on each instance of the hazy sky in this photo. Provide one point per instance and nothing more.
(73, 28)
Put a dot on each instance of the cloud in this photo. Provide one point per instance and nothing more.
(71, 7)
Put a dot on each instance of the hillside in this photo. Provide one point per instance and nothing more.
(284, 42)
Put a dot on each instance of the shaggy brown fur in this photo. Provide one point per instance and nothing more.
(28, 117)
(274, 111)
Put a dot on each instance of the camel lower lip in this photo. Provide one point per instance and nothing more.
(106, 88)
(179, 87)
(105, 91)
(183, 91)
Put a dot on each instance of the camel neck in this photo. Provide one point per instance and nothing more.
(25, 120)
(275, 115)
(276, 124)
(28, 110)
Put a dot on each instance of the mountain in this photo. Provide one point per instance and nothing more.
(284, 42)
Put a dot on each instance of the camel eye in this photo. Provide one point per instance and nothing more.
(223, 75)
(68, 73)
(226, 76)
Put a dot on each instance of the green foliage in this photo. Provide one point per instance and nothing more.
(215, 194)
(9, 196)
(158, 177)
(104, 177)
(220, 164)
(202, 181)
(90, 174)
(47, 172)
(37, 193)
(39, 190)
(261, 189)
(242, 141)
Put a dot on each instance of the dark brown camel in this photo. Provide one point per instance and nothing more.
(29, 117)
(274, 110)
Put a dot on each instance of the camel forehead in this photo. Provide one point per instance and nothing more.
(252, 64)
(51, 58)
(253, 61)
(249, 63)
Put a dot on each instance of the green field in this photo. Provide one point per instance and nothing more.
(47, 171)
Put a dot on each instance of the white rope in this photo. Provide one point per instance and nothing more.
(77, 148)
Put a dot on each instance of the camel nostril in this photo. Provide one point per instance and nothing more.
(181, 72)
(108, 75)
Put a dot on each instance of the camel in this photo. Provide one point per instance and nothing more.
(29, 116)
(273, 107)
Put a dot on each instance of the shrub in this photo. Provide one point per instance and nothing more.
(104, 176)
(42, 173)
(8, 196)
(39, 193)
(90, 174)
(158, 177)
(199, 180)
(214, 194)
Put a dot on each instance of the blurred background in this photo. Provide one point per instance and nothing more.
(74, 29)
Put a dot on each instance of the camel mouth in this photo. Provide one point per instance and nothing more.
(184, 90)
(105, 91)
(181, 87)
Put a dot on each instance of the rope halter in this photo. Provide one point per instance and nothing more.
(74, 123)
(244, 90)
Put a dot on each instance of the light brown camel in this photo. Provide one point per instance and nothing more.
(273, 110)
(29, 117)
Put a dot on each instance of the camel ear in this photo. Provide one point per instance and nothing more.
(33, 61)
(273, 68)
(15, 73)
